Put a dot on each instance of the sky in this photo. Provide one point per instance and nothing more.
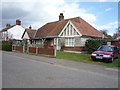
(101, 14)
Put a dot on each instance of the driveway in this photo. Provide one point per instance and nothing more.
(27, 71)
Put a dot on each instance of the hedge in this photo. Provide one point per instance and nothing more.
(93, 44)
(7, 42)
(6, 47)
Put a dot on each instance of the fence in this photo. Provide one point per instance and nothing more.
(36, 50)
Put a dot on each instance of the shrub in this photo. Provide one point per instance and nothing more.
(93, 44)
(7, 42)
(6, 47)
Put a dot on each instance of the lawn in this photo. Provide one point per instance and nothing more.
(80, 57)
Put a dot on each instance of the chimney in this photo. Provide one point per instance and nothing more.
(61, 17)
(7, 25)
(30, 27)
(18, 22)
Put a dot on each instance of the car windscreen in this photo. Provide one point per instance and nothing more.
(106, 48)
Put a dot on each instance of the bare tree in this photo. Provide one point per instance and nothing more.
(117, 34)
(105, 32)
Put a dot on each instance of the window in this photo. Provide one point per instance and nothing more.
(51, 42)
(70, 41)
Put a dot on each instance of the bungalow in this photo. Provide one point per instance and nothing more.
(67, 34)
(12, 32)
(29, 36)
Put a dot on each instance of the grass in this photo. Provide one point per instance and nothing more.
(80, 57)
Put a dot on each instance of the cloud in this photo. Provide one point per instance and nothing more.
(108, 9)
(38, 12)
(110, 27)
(107, 26)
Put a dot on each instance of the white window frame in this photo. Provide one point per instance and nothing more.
(70, 41)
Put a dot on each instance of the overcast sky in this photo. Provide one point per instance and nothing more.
(101, 14)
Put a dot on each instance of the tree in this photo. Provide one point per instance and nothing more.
(117, 34)
(105, 32)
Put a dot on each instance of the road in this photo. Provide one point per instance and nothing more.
(19, 72)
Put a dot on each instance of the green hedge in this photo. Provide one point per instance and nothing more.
(6, 47)
(93, 44)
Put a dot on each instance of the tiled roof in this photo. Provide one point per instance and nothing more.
(5, 29)
(31, 33)
(54, 28)
(86, 29)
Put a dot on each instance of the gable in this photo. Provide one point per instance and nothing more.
(51, 29)
(25, 36)
(16, 32)
(69, 30)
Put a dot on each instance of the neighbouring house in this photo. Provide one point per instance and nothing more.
(29, 36)
(115, 42)
(31, 46)
(67, 34)
(12, 32)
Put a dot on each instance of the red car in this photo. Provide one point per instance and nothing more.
(106, 53)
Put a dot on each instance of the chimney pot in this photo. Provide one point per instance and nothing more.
(18, 22)
(7, 25)
(30, 27)
(61, 17)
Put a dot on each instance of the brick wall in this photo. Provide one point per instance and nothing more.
(116, 43)
(18, 48)
(46, 51)
(74, 49)
(32, 50)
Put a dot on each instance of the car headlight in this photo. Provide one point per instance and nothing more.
(107, 56)
(93, 54)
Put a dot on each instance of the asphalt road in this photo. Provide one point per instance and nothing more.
(18, 72)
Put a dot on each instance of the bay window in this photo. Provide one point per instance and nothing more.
(69, 41)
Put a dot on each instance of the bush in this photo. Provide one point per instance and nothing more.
(6, 47)
(93, 44)
(7, 42)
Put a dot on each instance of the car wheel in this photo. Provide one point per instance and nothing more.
(94, 59)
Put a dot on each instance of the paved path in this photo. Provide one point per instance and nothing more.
(27, 71)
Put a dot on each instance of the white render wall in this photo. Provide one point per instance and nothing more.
(16, 32)
(26, 36)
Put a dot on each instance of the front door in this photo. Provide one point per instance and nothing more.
(58, 44)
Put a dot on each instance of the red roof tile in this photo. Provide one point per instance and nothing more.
(5, 29)
(31, 33)
(54, 28)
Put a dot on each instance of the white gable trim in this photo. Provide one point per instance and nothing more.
(75, 28)
(69, 22)
(63, 29)
(26, 36)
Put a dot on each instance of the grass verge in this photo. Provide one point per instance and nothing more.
(80, 57)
